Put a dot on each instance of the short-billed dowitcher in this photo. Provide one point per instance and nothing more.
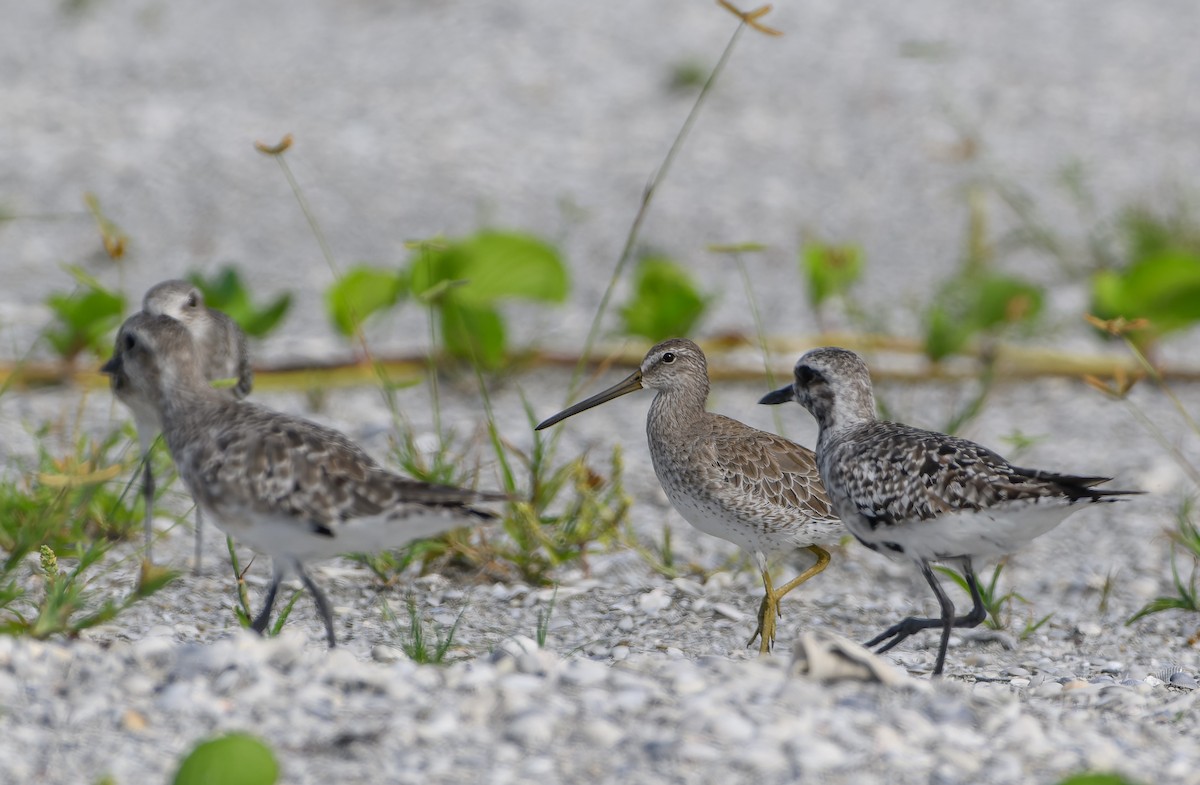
(752, 488)
(923, 495)
(282, 485)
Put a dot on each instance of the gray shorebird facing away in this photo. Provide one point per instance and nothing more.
(752, 488)
(907, 492)
(282, 485)
(222, 347)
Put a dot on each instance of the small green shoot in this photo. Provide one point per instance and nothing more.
(361, 292)
(69, 510)
(543, 619)
(115, 241)
(448, 464)
(242, 609)
(225, 291)
(660, 556)
(569, 509)
(67, 606)
(978, 302)
(1020, 442)
(665, 302)
(1184, 540)
(416, 643)
(1096, 778)
(687, 76)
(1106, 590)
(232, 759)
(998, 606)
(829, 270)
(572, 507)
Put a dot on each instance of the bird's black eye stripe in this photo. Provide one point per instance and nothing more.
(669, 357)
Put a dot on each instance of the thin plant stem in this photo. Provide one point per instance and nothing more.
(1166, 443)
(432, 356)
(761, 335)
(309, 216)
(647, 197)
(1153, 373)
(327, 252)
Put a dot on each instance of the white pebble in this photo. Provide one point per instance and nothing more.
(653, 602)
(533, 728)
(583, 672)
(728, 611)
(601, 733)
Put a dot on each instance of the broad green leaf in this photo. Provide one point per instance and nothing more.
(225, 292)
(84, 320)
(493, 265)
(473, 332)
(944, 335)
(259, 322)
(233, 759)
(359, 293)
(1003, 300)
(1095, 778)
(977, 302)
(665, 302)
(1161, 283)
(829, 269)
(1164, 289)
(464, 278)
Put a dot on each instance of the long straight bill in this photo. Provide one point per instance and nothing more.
(632, 383)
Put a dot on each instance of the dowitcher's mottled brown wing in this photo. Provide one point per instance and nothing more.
(773, 474)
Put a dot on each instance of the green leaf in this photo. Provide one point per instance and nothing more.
(493, 265)
(233, 759)
(1094, 778)
(1002, 300)
(944, 336)
(84, 318)
(977, 302)
(1164, 288)
(665, 302)
(225, 292)
(473, 332)
(259, 322)
(152, 578)
(465, 278)
(361, 292)
(830, 269)
(1162, 279)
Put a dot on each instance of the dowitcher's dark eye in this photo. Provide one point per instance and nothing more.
(130, 341)
(806, 375)
(191, 300)
(669, 357)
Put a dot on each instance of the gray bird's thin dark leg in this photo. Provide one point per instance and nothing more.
(322, 605)
(948, 621)
(199, 540)
(260, 622)
(148, 499)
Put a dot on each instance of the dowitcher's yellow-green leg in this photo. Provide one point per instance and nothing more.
(769, 610)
